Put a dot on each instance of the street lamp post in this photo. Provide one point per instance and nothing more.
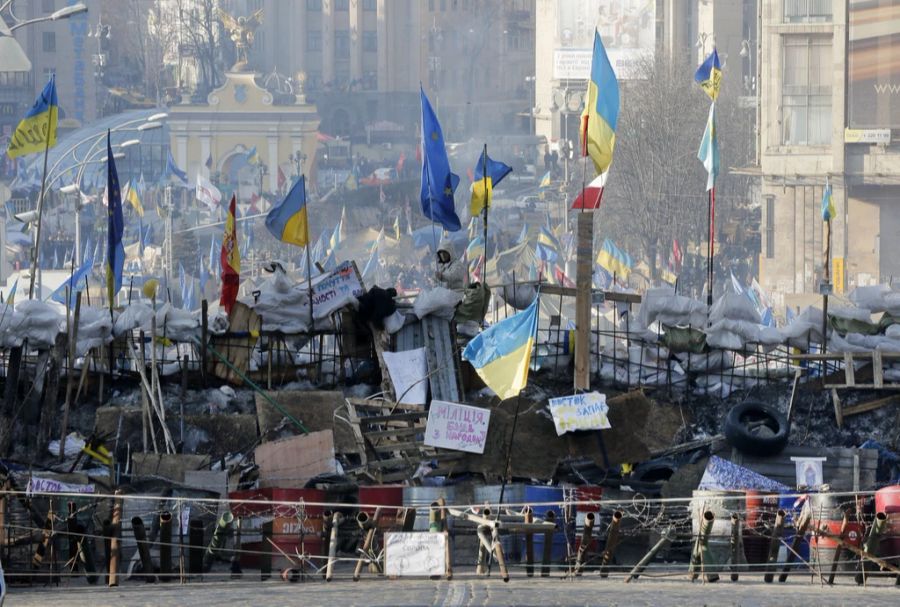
(62, 13)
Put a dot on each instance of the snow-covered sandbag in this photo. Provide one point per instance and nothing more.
(394, 322)
(870, 298)
(735, 334)
(41, 323)
(135, 317)
(732, 306)
(862, 315)
(662, 305)
(177, 325)
(520, 296)
(439, 302)
(10, 322)
(893, 331)
(805, 329)
(94, 329)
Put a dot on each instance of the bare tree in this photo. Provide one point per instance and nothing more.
(656, 188)
(200, 33)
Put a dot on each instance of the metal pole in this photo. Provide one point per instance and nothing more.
(487, 200)
(35, 253)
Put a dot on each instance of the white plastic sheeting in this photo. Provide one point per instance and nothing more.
(37, 321)
(94, 329)
(805, 329)
(282, 306)
(438, 302)
(177, 325)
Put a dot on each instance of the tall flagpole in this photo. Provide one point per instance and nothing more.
(486, 202)
(710, 245)
(35, 254)
(308, 263)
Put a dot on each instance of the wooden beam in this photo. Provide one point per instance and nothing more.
(838, 413)
(869, 406)
(584, 254)
(633, 298)
(849, 370)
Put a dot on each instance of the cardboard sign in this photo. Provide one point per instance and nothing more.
(409, 374)
(580, 412)
(335, 290)
(415, 554)
(458, 427)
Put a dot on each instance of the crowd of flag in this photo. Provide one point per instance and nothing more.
(500, 354)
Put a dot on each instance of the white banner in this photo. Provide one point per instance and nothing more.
(46, 485)
(409, 374)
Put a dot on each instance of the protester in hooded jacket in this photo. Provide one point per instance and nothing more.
(451, 271)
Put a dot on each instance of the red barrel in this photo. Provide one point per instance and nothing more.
(295, 526)
(887, 500)
(761, 507)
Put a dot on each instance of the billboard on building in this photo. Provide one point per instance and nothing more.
(627, 28)
(874, 64)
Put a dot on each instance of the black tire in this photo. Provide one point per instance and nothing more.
(756, 429)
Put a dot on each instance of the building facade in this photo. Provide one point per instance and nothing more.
(828, 79)
(67, 48)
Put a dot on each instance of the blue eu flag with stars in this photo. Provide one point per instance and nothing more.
(438, 183)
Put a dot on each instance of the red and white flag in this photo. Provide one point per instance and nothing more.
(590, 197)
(207, 193)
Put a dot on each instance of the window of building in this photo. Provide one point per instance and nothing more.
(370, 41)
(807, 11)
(806, 91)
(48, 6)
(342, 44)
(314, 5)
(431, 6)
(770, 227)
(342, 5)
(48, 71)
(314, 40)
(370, 5)
(443, 6)
(48, 42)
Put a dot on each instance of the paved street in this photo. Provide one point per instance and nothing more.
(464, 592)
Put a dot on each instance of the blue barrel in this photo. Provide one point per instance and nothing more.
(792, 506)
(542, 493)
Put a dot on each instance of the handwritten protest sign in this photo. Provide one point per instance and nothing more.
(415, 554)
(335, 290)
(458, 427)
(47, 485)
(580, 412)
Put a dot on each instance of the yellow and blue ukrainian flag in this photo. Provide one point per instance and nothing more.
(37, 131)
(828, 209)
(501, 354)
(134, 198)
(488, 173)
(115, 250)
(709, 75)
(548, 247)
(614, 260)
(601, 110)
(288, 220)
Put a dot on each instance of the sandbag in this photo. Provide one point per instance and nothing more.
(438, 302)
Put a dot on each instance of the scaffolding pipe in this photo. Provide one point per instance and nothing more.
(140, 536)
(165, 545)
(642, 564)
(774, 543)
(586, 533)
(337, 517)
(612, 542)
(872, 542)
(700, 555)
(220, 534)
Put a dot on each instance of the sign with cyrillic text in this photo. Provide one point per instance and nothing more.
(458, 427)
(580, 412)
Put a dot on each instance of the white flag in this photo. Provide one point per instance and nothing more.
(207, 193)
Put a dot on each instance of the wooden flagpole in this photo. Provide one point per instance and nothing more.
(486, 202)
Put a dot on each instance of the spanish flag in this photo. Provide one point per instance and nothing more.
(288, 220)
(601, 110)
(230, 259)
(501, 354)
(37, 131)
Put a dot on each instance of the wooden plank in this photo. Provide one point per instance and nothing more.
(382, 404)
(838, 413)
(394, 433)
(869, 406)
(547, 289)
(397, 417)
(585, 254)
(392, 447)
(849, 371)
(877, 369)
(790, 409)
